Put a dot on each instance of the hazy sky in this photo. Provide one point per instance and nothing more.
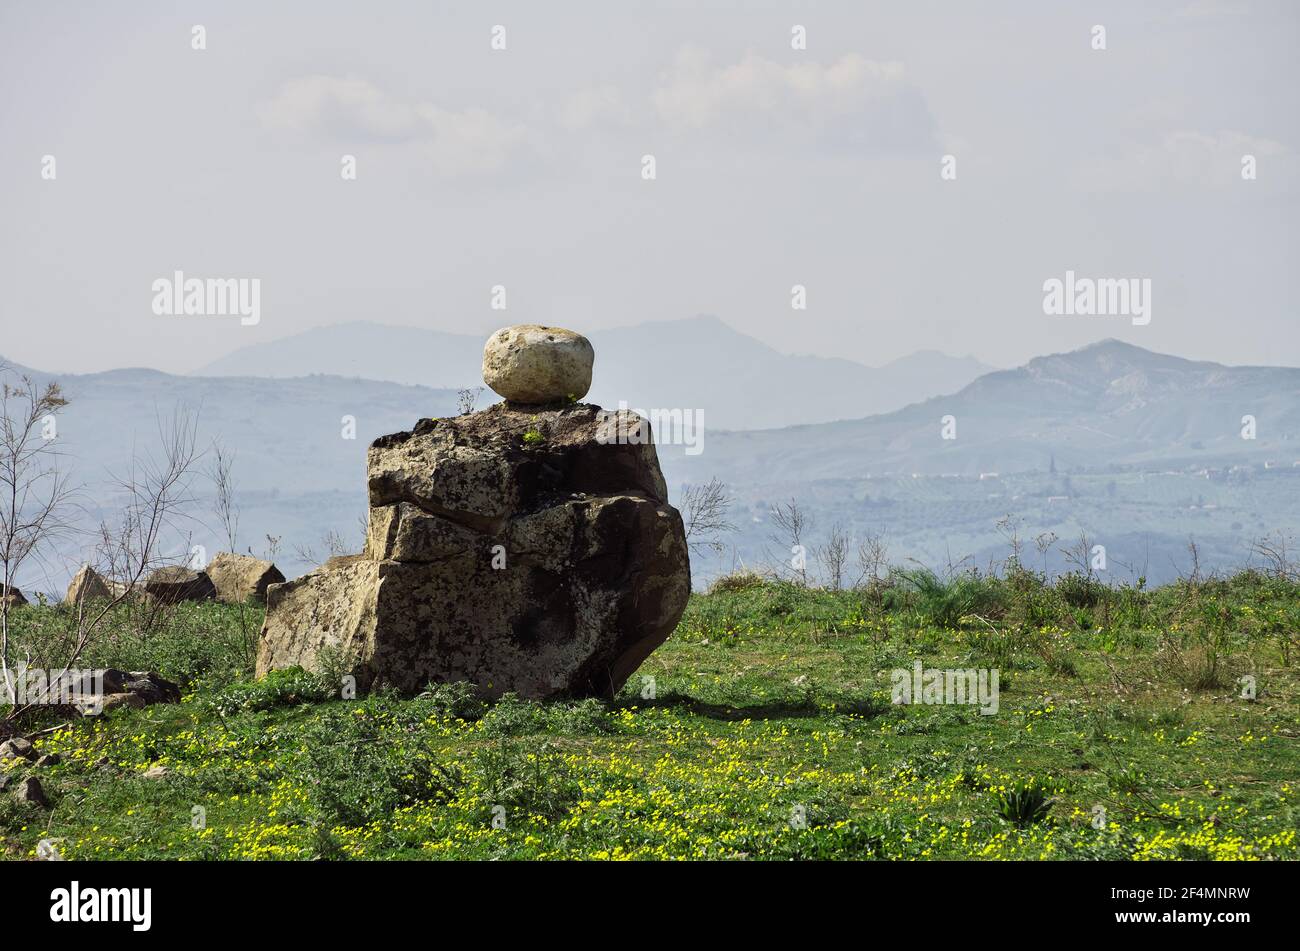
(523, 167)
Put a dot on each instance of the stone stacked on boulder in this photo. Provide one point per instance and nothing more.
(521, 549)
(178, 583)
(240, 577)
(532, 364)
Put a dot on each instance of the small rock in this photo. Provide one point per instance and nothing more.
(114, 700)
(151, 688)
(177, 583)
(240, 577)
(30, 790)
(16, 748)
(528, 363)
(88, 585)
(111, 688)
(5, 780)
(93, 706)
(49, 759)
(155, 772)
(96, 682)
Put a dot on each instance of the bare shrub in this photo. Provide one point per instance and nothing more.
(833, 555)
(1009, 528)
(466, 398)
(791, 525)
(1080, 555)
(35, 513)
(1275, 551)
(227, 511)
(873, 561)
(333, 543)
(1044, 542)
(704, 514)
(33, 492)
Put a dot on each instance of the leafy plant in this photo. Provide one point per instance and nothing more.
(945, 603)
(279, 688)
(1024, 805)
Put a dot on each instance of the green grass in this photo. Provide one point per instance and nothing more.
(1121, 733)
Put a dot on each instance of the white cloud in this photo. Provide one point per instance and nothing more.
(349, 109)
(851, 101)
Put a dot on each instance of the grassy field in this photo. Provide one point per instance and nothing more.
(1123, 731)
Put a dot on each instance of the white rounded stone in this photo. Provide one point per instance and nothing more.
(529, 363)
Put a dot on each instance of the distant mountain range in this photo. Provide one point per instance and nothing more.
(1072, 438)
(1108, 404)
(288, 435)
(698, 363)
(296, 475)
(1141, 452)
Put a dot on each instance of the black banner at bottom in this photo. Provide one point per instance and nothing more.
(337, 900)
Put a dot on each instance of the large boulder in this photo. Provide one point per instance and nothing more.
(519, 549)
(88, 585)
(528, 363)
(177, 583)
(12, 597)
(240, 577)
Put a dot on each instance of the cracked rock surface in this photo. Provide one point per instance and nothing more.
(520, 548)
